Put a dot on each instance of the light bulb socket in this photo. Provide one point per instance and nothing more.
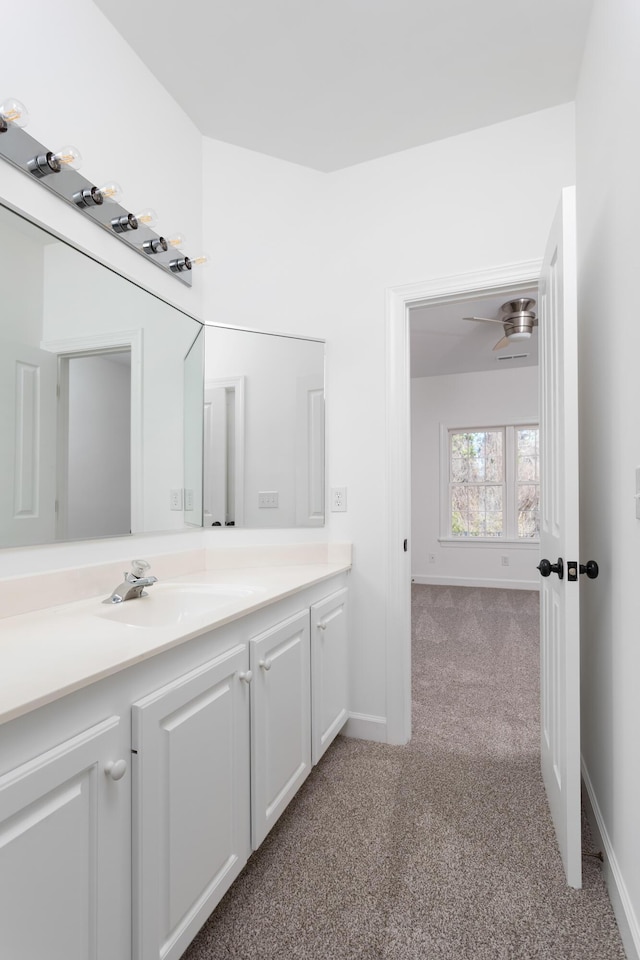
(89, 197)
(182, 263)
(4, 126)
(44, 164)
(157, 245)
(124, 223)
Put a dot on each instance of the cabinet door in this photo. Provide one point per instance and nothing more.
(280, 720)
(191, 802)
(329, 666)
(64, 851)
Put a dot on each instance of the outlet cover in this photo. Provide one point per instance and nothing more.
(338, 499)
(267, 499)
(504, 561)
(175, 499)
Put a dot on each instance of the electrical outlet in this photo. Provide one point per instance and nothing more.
(175, 499)
(338, 499)
(432, 558)
(188, 499)
(504, 561)
(267, 499)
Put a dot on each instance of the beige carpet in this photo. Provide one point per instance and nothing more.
(440, 849)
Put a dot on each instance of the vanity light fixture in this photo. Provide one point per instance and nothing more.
(65, 158)
(98, 203)
(186, 263)
(95, 196)
(157, 245)
(124, 223)
(13, 111)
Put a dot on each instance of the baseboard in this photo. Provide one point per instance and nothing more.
(364, 727)
(476, 582)
(616, 887)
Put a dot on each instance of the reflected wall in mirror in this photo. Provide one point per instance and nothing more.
(91, 395)
(263, 430)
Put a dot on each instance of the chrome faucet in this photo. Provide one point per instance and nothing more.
(133, 584)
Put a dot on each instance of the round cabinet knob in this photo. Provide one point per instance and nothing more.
(116, 769)
(246, 675)
(266, 664)
(321, 625)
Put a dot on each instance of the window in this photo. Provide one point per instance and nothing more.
(494, 483)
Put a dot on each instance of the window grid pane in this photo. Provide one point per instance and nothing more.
(476, 483)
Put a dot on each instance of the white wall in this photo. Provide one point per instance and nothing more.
(314, 254)
(458, 400)
(608, 198)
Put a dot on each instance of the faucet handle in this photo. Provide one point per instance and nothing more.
(139, 567)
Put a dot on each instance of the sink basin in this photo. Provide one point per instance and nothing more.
(171, 604)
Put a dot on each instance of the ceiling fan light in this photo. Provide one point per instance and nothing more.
(520, 335)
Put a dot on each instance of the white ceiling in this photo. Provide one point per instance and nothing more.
(331, 83)
(442, 341)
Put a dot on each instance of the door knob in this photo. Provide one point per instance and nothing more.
(590, 568)
(116, 769)
(266, 664)
(546, 568)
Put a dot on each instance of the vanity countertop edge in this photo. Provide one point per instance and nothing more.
(49, 653)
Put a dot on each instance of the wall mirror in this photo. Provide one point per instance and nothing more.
(263, 429)
(103, 413)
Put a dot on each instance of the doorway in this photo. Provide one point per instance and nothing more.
(94, 472)
(501, 281)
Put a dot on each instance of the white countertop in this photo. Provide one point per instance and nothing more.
(49, 653)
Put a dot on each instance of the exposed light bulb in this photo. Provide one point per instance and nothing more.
(67, 156)
(187, 263)
(111, 191)
(148, 217)
(15, 112)
(46, 163)
(175, 239)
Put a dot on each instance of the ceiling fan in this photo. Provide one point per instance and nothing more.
(518, 319)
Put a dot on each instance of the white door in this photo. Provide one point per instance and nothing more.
(28, 379)
(559, 613)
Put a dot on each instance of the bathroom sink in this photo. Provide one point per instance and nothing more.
(172, 604)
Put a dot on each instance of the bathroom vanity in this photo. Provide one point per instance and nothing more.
(145, 751)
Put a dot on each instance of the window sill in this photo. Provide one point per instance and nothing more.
(495, 542)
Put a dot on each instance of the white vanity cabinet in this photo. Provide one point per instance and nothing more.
(129, 806)
(64, 838)
(280, 719)
(191, 801)
(329, 670)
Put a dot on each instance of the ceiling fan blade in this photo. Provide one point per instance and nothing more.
(488, 319)
(501, 344)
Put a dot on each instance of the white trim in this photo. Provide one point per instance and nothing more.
(494, 542)
(110, 340)
(362, 726)
(503, 279)
(237, 384)
(618, 893)
(476, 582)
